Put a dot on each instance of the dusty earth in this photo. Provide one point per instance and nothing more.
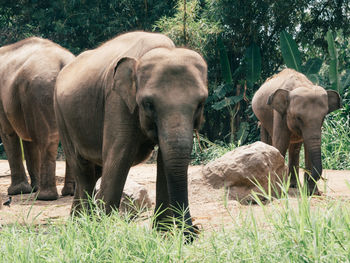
(207, 205)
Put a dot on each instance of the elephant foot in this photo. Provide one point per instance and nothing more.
(48, 194)
(313, 189)
(293, 185)
(21, 188)
(191, 234)
(68, 189)
(35, 187)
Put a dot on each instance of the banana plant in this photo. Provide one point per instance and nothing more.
(334, 76)
(290, 52)
(250, 67)
(250, 70)
(292, 58)
(252, 61)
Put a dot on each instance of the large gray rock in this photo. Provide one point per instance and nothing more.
(239, 169)
(135, 197)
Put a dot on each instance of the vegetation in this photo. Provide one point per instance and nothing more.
(336, 142)
(287, 230)
(244, 42)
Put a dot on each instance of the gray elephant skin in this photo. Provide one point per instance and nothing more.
(115, 103)
(291, 110)
(28, 72)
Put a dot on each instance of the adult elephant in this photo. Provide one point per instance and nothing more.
(291, 110)
(28, 72)
(115, 103)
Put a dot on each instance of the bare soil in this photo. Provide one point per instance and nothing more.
(207, 205)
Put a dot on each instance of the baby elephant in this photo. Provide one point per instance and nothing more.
(28, 72)
(291, 110)
(115, 103)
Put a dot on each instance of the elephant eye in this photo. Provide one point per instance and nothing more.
(148, 105)
(299, 119)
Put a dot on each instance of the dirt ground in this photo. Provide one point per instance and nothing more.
(206, 204)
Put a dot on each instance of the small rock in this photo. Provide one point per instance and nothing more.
(134, 198)
(239, 169)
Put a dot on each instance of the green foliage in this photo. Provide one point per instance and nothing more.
(312, 66)
(205, 151)
(252, 61)
(292, 58)
(225, 65)
(290, 52)
(333, 63)
(200, 30)
(78, 25)
(336, 141)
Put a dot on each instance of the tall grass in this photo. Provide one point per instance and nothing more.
(336, 141)
(290, 230)
(204, 150)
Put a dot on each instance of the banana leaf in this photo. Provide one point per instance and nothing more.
(232, 100)
(333, 64)
(312, 66)
(290, 52)
(252, 64)
(224, 62)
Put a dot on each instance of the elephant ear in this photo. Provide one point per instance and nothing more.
(125, 81)
(334, 101)
(279, 100)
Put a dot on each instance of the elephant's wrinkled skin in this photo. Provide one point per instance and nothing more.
(291, 110)
(28, 71)
(115, 103)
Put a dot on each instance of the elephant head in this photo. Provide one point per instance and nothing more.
(304, 110)
(168, 88)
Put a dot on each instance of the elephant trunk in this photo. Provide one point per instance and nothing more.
(175, 142)
(313, 146)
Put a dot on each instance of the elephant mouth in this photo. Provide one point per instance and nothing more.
(296, 138)
(152, 134)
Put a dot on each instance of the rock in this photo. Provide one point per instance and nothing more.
(134, 198)
(239, 169)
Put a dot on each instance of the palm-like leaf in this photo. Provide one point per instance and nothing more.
(290, 52)
(225, 65)
(333, 64)
(253, 64)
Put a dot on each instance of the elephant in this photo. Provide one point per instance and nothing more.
(28, 72)
(291, 110)
(113, 104)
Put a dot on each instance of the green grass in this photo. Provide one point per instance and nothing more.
(290, 230)
(336, 141)
(205, 151)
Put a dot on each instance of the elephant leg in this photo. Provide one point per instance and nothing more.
(308, 180)
(47, 186)
(293, 163)
(85, 178)
(265, 136)
(281, 134)
(117, 162)
(19, 180)
(69, 182)
(32, 156)
(162, 210)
